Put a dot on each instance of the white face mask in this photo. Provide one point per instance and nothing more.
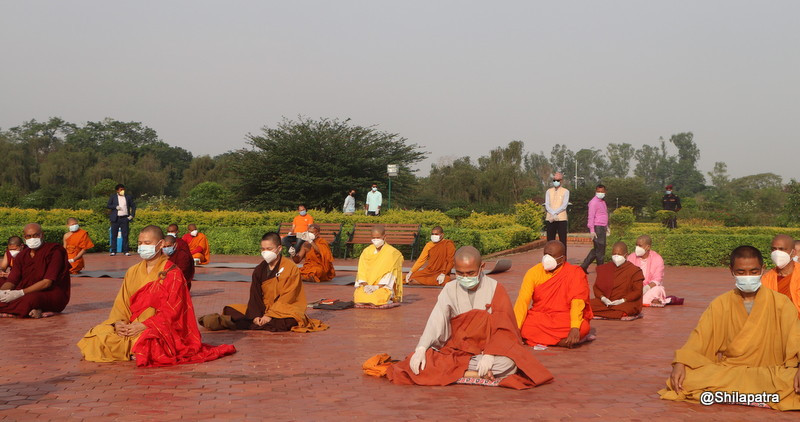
(146, 252)
(780, 258)
(378, 242)
(600, 195)
(549, 263)
(748, 283)
(194, 233)
(374, 189)
(175, 235)
(74, 228)
(639, 251)
(618, 259)
(311, 236)
(435, 238)
(269, 256)
(34, 242)
(796, 258)
(13, 253)
(556, 183)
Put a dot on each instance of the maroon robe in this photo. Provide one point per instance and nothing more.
(183, 259)
(473, 333)
(49, 262)
(623, 282)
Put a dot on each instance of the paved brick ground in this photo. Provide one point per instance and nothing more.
(317, 376)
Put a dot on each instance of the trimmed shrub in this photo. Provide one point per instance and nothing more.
(530, 214)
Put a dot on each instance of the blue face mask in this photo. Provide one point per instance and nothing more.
(556, 183)
(168, 250)
(303, 212)
(748, 283)
(468, 282)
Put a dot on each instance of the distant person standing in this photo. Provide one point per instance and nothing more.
(598, 227)
(349, 207)
(555, 203)
(671, 202)
(374, 201)
(123, 209)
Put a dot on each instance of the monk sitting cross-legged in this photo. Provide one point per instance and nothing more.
(316, 252)
(198, 245)
(435, 262)
(747, 341)
(277, 300)
(13, 247)
(178, 253)
(618, 287)
(76, 242)
(380, 269)
(39, 281)
(471, 333)
(785, 277)
(552, 308)
(152, 319)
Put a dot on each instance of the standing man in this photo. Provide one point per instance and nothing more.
(350, 203)
(555, 203)
(374, 201)
(671, 202)
(598, 227)
(122, 210)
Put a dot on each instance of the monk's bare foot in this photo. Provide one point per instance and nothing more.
(35, 313)
(471, 374)
(656, 302)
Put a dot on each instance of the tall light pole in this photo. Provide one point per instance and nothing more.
(392, 170)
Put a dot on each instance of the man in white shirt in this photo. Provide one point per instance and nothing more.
(122, 210)
(374, 201)
(556, 201)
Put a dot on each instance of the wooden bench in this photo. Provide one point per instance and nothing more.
(396, 235)
(332, 232)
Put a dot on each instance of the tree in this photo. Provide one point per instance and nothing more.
(685, 174)
(316, 161)
(563, 159)
(619, 159)
(719, 176)
(654, 165)
(592, 166)
(210, 196)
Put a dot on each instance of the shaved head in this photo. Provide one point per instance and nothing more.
(783, 242)
(437, 230)
(32, 230)
(169, 240)
(191, 227)
(173, 228)
(619, 248)
(378, 231)
(468, 262)
(15, 241)
(555, 248)
(314, 226)
(71, 221)
(644, 240)
(153, 232)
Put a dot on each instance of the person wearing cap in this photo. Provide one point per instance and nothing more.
(671, 202)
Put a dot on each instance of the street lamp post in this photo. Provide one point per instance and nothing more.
(392, 170)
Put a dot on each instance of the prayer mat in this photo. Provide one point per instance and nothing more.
(369, 306)
(240, 265)
(331, 304)
(501, 266)
(478, 381)
(625, 318)
(342, 280)
(228, 276)
(101, 274)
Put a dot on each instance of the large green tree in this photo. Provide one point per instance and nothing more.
(316, 162)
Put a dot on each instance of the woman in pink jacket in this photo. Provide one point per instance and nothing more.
(652, 265)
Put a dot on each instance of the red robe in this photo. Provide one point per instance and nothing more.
(549, 321)
(623, 282)
(183, 259)
(171, 336)
(473, 333)
(50, 262)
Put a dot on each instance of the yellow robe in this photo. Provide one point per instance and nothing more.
(101, 343)
(373, 265)
(760, 350)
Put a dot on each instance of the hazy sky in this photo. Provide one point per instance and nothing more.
(457, 77)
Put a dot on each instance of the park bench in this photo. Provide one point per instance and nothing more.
(396, 235)
(332, 232)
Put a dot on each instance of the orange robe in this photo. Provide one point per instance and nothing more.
(318, 266)
(198, 246)
(75, 243)
(440, 260)
(560, 303)
(792, 282)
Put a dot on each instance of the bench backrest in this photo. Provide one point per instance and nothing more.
(328, 231)
(396, 234)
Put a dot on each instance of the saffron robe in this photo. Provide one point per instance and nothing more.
(318, 266)
(76, 242)
(653, 270)
(184, 260)
(160, 300)
(550, 304)
(623, 282)
(10, 261)
(49, 262)
(277, 293)
(458, 330)
(770, 281)
(198, 246)
(760, 351)
(438, 258)
(382, 269)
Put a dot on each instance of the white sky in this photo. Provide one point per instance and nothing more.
(457, 77)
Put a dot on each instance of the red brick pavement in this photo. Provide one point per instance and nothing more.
(317, 376)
